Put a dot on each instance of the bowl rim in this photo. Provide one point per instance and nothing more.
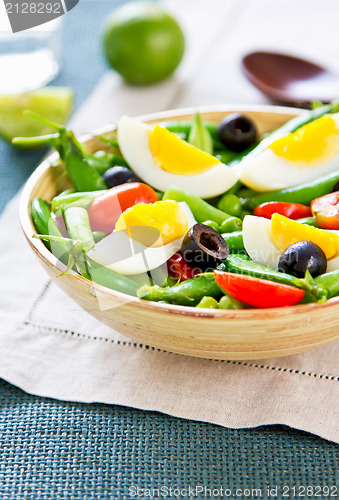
(44, 254)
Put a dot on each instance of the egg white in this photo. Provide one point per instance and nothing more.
(265, 171)
(133, 139)
(258, 241)
(112, 250)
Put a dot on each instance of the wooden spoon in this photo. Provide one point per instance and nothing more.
(290, 80)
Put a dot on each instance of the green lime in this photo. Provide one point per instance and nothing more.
(143, 43)
(53, 103)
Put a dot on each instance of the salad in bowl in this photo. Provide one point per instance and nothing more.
(203, 211)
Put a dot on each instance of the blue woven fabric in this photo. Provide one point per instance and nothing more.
(58, 450)
(54, 450)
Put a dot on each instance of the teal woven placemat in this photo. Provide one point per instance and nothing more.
(57, 450)
(54, 450)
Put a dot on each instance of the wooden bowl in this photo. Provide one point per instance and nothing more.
(204, 333)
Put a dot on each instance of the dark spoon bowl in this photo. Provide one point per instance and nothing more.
(290, 80)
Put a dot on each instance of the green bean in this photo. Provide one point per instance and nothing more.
(226, 156)
(84, 199)
(199, 136)
(78, 226)
(329, 283)
(67, 191)
(61, 248)
(45, 225)
(111, 279)
(98, 236)
(200, 209)
(308, 221)
(246, 192)
(303, 193)
(230, 225)
(212, 224)
(208, 303)
(234, 241)
(186, 293)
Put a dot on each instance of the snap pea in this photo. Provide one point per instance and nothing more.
(302, 193)
(83, 199)
(242, 264)
(201, 210)
(83, 176)
(187, 293)
(45, 225)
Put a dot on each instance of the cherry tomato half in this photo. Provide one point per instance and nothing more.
(257, 292)
(105, 210)
(290, 210)
(179, 269)
(325, 210)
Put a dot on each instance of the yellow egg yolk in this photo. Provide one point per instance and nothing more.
(177, 156)
(310, 145)
(287, 231)
(168, 217)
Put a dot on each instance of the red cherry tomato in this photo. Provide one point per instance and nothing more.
(105, 210)
(325, 210)
(290, 210)
(179, 270)
(258, 292)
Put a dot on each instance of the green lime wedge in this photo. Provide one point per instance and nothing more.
(53, 103)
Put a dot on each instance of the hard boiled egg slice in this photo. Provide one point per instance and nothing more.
(265, 240)
(161, 159)
(304, 155)
(125, 250)
(258, 242)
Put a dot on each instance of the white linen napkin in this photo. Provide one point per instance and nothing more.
(50, 347)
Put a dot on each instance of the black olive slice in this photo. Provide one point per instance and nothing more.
(203, 247)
